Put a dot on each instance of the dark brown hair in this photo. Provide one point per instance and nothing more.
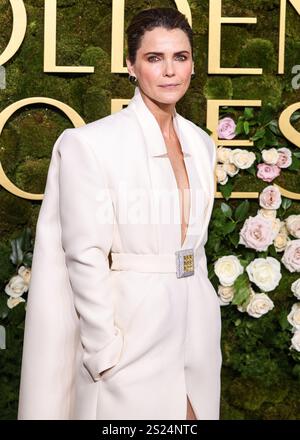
(148, 19)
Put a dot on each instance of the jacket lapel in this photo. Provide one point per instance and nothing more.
(191, 140)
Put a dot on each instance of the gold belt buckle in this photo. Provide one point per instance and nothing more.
(184, 263)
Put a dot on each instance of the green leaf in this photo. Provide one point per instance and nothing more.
(251, 170)
(228, 227)
(263, 254)
(266, 114)
(4, 309)
(226, 190)
(234, 239)
(295, 117)
(26, 239)
(226, 209)
(239, 129)
(241, 212)
(295, 165)
(273, 126)
(16, 255)
(259, 134)
(246, 127)
(27, 259)
(246, 260)
(261, 143)
(284, 324)
(20, 246)
(285, 203)
(248, 112)
(270, 138)
(272, 251)
(241, 289)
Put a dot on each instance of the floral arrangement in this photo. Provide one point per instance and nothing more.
(18, 284)
(230, 161)
(248, 279)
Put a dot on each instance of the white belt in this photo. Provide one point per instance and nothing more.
(182, 262)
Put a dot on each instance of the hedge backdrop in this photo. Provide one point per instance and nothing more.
(260, 379)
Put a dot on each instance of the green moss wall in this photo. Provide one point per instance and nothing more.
(256, 384)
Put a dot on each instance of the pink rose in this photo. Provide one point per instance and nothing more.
(285, 157)
(257, 233)
(270, 197)
(267, 172)
(291, 256)
(226, 128)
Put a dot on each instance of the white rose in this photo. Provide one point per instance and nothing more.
(226, 294)
(275, 222)
(282, 238)
(267, 213)
(223, 154)
(227, 269)
(259, 305)
(242, 158)
(13, 302)
(281, 241)
(285, 157)
(294, 316)
(270, 197)
(221, 174)
(296, 341)
(265, 273)
(295, 288)
(293, 225)
(270, 156)
(25, 273)
(291, 256)
(16, 286)
(230, 169)
(241, 309)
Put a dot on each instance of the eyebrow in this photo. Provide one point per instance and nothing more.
(161, 53)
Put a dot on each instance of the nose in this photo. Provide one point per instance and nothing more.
(169, 68)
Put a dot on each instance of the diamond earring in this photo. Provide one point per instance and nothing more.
(132, 79)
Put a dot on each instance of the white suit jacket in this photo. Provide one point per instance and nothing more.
(70, 313)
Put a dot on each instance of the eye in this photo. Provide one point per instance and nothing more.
(150, 58)
(183, 57)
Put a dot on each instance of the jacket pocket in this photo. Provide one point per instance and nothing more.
(131, 289)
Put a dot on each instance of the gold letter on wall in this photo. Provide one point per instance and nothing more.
(117, 32)
(214, 40)
(50, 44)
(18, 31)
(10, 110)
(282, 25)
(293, 136)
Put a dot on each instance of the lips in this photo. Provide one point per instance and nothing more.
(170, 85)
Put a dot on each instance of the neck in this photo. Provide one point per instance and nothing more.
(163, 113)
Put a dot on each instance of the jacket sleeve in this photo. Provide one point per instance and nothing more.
(213, 159)
(87, 222)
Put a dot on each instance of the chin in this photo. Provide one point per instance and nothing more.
(169, 96)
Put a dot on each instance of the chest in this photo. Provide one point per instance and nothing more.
(178, 165)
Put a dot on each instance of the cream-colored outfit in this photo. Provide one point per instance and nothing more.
(107, 200)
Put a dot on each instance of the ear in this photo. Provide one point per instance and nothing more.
(130, 67)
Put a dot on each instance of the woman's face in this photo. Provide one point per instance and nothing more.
(165, 57)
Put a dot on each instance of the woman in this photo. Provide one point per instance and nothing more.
(140, 338)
